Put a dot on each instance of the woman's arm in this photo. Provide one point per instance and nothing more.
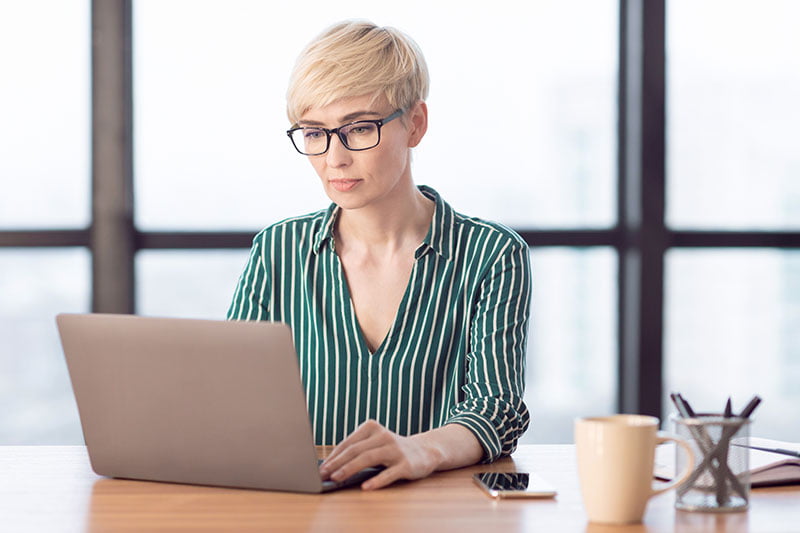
(251, 297)
(493, 407)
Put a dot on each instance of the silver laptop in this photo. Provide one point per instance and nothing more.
(193, 401)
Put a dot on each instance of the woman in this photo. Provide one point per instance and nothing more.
(409, 319)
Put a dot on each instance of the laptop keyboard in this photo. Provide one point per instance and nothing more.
(356, 479)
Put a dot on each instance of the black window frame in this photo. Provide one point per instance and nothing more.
(640, 237)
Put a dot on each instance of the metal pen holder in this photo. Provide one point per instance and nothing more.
(720, 481)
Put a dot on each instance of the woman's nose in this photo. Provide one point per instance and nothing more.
(337, 154)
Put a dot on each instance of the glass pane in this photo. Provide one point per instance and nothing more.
(187, 284)
(572, 345)
(210, 113)
(35, 392)
(732, 329)
(44, 114)
(733, 81)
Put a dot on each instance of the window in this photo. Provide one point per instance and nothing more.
(44, 199)
(731, 320)
(211, 152)
(44, 109)
(37, 284)
(187, 284)
(731, 313)
(593, 161)
(571, 368)
(733, 115)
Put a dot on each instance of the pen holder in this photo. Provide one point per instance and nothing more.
(720, 481)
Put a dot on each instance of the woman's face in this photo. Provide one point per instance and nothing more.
(371, 177)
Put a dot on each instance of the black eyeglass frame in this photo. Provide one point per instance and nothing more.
(378, 122)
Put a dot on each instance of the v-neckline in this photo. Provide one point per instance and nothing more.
(364, 345)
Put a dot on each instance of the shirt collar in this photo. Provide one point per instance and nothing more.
(325, 232)
(440, 237)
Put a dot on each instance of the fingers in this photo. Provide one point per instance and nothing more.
(368, 436)
(362, 432)
(381, 456)
(382, 479)
(372, 445)
(369, 445)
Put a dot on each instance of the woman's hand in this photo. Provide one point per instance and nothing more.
(413, 457)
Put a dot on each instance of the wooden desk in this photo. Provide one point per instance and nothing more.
(46, 489)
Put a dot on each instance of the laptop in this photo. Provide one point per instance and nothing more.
(203, 402)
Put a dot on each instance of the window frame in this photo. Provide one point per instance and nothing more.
(640, 236)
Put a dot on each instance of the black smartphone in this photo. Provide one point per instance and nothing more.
(514, 485)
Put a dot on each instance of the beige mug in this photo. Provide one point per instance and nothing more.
(615, 465)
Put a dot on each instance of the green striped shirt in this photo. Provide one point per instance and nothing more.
(454, 354)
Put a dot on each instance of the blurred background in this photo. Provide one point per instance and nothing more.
(525, 113)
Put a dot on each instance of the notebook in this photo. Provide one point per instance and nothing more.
(766, 468)
(193, 401)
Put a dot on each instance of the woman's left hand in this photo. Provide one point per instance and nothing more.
(412, 457)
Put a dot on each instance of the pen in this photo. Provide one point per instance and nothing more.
(722, 452)
(750, 407)
(686, 406)
(680, 404)
(781, 451)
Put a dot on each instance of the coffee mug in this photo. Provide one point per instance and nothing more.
(615, 465)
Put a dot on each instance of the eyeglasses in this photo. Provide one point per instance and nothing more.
(355, 136)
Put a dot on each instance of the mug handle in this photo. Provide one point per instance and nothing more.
(661, 438)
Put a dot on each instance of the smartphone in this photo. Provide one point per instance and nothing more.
(514, 485)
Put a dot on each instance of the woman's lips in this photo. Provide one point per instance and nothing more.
(343, 185)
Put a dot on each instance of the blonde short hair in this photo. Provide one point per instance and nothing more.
(355, 58)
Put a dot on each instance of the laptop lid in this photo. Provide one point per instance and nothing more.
(191, 401)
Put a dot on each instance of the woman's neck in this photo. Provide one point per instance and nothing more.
(398, 224)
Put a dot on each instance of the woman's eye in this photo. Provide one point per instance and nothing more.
(362, 129)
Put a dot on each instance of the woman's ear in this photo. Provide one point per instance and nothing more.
(417, 123)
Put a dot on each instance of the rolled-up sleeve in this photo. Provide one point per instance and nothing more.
(493, 407)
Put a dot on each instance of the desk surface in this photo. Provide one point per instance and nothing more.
(46, 488)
